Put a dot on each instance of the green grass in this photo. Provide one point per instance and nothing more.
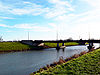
(17, 46)
(88, 64)
(60, 44)
(13, 46)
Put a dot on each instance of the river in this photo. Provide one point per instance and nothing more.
(26, 62)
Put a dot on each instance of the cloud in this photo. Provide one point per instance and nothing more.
(71, 19)
(59, 7)
(41, 29)
(24, 26)
(60, 3)
(30, 27)
(3, 25)
(4, 8)
(27, 2)
(93, 3)
(6, 17)
(53, 25)
(88, 21)
(92, 15)
(9, 31)
(80, 24)
(33, 9)
(34, 27)
(26, 8)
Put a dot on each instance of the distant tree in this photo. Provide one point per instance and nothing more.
(81, 39)
(70, 38)
(92, 38)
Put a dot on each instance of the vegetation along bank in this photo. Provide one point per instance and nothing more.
(13, 46)
(86, 64)
(60, 44)
(17, 46)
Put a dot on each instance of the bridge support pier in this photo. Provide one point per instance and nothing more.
(90, 45)
(62, 47)
(58, 47)
(63, 44)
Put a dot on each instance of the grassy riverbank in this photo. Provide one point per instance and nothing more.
(60, 44)
(84, 65)
(17, 46)
(13, 46)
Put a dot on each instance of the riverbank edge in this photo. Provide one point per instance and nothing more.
(61, 61)
(21, 46)
(20, 50)
(30, 48)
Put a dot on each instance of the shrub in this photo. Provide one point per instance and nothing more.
(75, 56)
(82, 53)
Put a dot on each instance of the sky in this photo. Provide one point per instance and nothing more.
(43, 19)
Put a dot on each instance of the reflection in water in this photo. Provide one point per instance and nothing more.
(63, 49)
(61, 53)
(58, 53)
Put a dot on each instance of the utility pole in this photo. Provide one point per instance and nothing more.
(57, 33)
(89, 31)
(79, 37)
(28, 35)
(1, 39)
(89, 35)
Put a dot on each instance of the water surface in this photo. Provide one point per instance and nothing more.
(24, 63)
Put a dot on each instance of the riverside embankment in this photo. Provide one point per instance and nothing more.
(18, 46)
(79, 64)
(13, 47)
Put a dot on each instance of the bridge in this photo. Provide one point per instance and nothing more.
(31, 42)
(36, 42)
